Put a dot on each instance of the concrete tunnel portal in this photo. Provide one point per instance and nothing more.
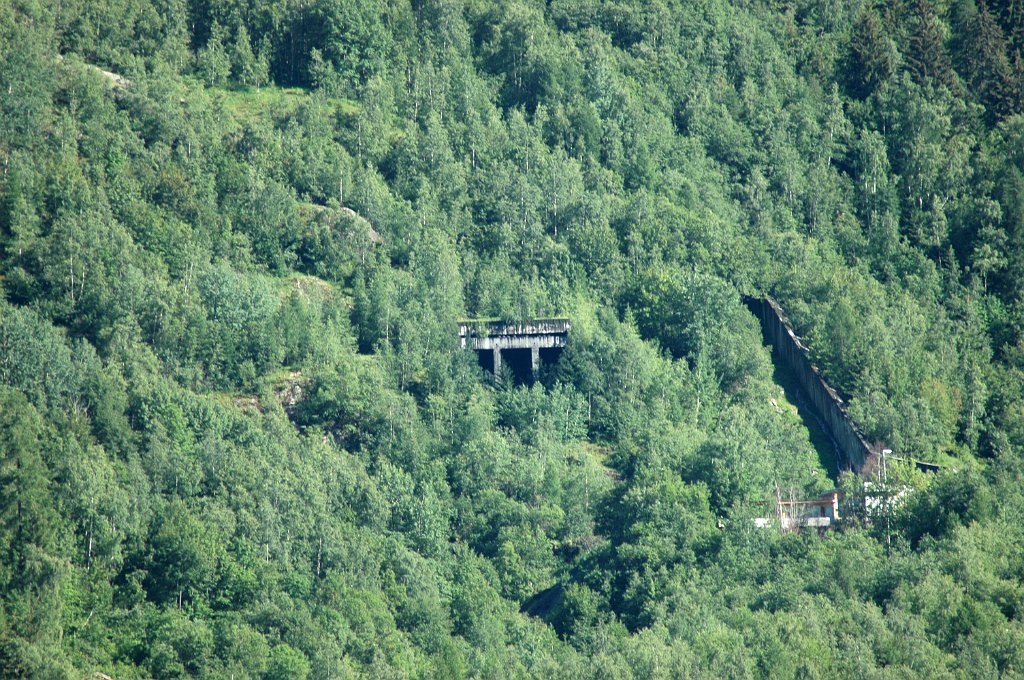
(521, 347)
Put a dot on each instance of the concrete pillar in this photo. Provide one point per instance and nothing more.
(497, 363)
(535, 361)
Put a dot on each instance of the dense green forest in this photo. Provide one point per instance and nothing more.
(238, 438)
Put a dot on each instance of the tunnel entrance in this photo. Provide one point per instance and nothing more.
(485, 358)
(518, 350)
(550, 355)
(519, 363)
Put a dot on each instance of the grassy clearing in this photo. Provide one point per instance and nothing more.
(249, 104)
(792, 401)
(305, 284)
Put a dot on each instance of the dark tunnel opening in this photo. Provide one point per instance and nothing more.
(485, 358)
(519, 365)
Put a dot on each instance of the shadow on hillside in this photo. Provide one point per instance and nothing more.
(820, 439)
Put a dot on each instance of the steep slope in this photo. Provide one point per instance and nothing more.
(310, 195)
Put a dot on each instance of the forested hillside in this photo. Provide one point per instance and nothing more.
(238, 437)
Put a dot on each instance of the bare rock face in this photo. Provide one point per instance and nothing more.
(289, 392)
(291, 397)
(345, 219)
(114, 80)
(247, 404)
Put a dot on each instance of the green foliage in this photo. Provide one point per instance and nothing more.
(695, 315)
(286, 662)
(872, 57)
(213, 61)
(238, 437)
(948, 502)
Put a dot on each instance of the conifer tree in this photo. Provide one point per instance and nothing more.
(243, 61)
(983, 61)
(213, 63)
(871, 57)
(927, 58)
(1016, 99)
(1011, 17)
(261, 65)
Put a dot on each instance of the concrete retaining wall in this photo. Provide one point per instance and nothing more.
(854, 452)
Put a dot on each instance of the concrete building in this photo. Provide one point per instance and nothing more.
(521, 346)
(792, 515)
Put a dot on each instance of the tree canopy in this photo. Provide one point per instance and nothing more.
(238, 437)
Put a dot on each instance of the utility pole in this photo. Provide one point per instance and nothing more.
(886, 508)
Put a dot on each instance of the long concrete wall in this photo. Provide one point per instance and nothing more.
(854, 452)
